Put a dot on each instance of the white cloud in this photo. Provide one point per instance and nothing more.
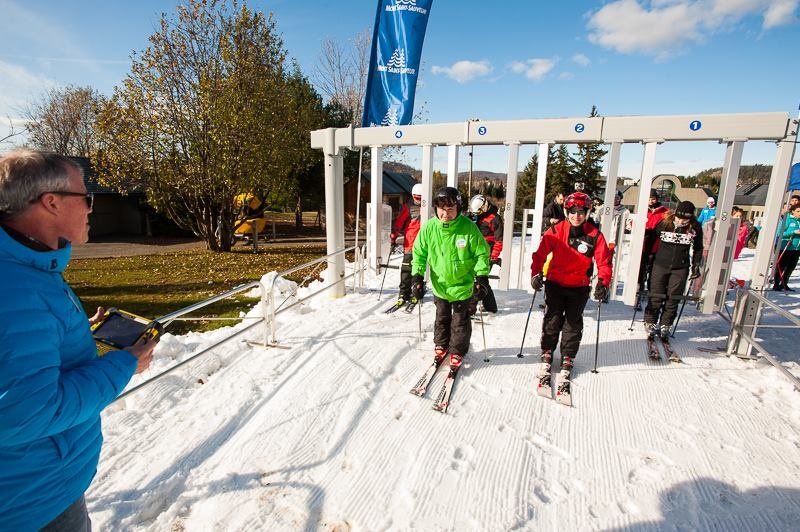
(463, 71)
(662, 27)
(581, 59)
(534, 69)
(780, 13)
(566, 75)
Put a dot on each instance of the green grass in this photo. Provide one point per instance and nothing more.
(155, 285)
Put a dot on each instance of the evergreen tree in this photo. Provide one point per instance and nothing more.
(560, 172)
(587, 165)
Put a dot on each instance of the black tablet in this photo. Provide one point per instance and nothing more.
(118, 329)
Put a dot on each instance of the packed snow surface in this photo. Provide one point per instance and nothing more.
(322, 433)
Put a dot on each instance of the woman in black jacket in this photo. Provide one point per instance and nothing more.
(675, 235)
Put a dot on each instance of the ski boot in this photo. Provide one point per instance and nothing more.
(543, 388)
(439, 353)
(651, 329)
(663, 332)
(397, 306)
(563, 391)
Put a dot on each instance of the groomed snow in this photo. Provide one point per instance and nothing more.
(323, 434)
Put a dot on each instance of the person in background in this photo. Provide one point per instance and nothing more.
(554, 211)
(485, 215)
(458, 257)
(709, 212)
(742, 233)
(617, 214)
(576, 245)
(676, 235)
(794, 201)
(655, 212)
(790, 251)
(407, 224)
(53, 386)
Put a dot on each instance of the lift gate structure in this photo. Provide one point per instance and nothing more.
(732, 130)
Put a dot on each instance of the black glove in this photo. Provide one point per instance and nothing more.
(497, 261)
(417, 287)
(600, 291)
(537, 282)
(481, 287)
(695, 271)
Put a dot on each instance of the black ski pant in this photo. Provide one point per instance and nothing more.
(645, 267)
(405, 277)
(563, 314)
(666, 288)
(785, 268)
(453, 327)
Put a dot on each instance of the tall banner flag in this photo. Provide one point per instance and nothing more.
(794, 177)
(394, 64)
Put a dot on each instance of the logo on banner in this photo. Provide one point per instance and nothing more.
(406, 5)
(397, 64)
(390, 118)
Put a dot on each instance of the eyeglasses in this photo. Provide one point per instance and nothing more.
(579, 212)
(87, 196)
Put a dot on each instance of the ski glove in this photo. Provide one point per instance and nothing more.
(417, 287)
(600, 291)
(481, 287)
(695, 271)
(537, 282)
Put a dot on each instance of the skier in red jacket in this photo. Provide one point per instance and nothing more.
(407, 224)
(575, 245)
(488, 220)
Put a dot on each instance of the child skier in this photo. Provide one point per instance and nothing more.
(407, 224)
(489, 223)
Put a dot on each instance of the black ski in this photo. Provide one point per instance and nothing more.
(396, 306)
(423, 382)
(443, 399)
(652, 348)
(671, 354)
(409, 307)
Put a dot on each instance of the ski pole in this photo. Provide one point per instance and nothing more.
(683, 305)
(636, 308)
(419, 322)
(780, 257)
(386, 269)
(483, 332)
(524, 332)
(597, 339)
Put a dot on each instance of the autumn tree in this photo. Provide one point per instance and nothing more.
(62, 120)
(210, 110)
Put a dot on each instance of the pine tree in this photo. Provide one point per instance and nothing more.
(587, 165)
(560, 172)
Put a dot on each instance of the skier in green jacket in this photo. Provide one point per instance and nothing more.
(454, 248)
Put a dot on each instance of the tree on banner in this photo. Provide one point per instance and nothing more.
(394, 62)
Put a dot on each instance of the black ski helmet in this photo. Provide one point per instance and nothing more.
(447, 197)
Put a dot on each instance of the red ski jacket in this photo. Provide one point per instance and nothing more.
(407, 224)
(571, 265)
(491, 227)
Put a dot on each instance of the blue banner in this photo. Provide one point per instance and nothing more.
(794, 177)
(394, 63)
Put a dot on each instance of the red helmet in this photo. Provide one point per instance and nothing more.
(578, 199)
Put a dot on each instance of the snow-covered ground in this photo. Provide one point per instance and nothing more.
(323, 434)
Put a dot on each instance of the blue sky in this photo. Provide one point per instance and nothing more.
(491, 60)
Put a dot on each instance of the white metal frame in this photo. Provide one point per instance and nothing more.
(731, 129)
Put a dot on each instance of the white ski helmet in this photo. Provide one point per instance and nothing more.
(416, 190)
(478, 204)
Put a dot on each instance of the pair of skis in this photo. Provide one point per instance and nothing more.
(655, 354)
(443, 397)
(563, 394)
(407, 306)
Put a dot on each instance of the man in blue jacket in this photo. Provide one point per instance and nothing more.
(53, 385)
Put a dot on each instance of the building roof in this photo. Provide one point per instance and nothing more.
(393, 182)
(90, 179)
(751, 195)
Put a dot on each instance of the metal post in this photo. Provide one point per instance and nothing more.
(508, 215)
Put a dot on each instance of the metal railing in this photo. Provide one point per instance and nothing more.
(741, 331)
(269, 311)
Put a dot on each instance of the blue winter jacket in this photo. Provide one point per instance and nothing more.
(53, 387)
(789, 240)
